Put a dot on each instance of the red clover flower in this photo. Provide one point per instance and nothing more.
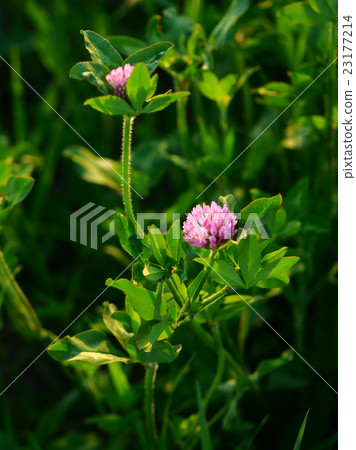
(118, 79)
(209, 226)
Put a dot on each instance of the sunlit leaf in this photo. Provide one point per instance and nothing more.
(161, 352)
(149, 55)
(138, 86)
(126, 44)
(101, 51)
(110, 104)
(249, 259)
(160, 102)
(145, 302)
(92, 347)
(92, 72)
(265, 208)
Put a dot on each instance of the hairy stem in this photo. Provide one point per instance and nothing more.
(150, 378)
(126, 161)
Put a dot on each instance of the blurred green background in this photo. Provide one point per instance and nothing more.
(271, 50)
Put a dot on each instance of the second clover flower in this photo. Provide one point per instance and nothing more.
(118, 79)
(209, 226)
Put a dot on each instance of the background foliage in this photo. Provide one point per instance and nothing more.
(243, 64)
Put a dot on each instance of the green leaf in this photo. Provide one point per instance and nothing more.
(227, 84)
(278, 276)
(116, 326)
(127, 327)
(327, 8)
(273, 256)
(296, 200)
(153, 273)
(158, 245)
(301, 13)
(249, 259)
(126, 44)
(134, 316)
(298, 442)
(264, 272)
(269, 365)
(172, 311)
(154, 81)
(138, 86)
(128, 236)
(223, 272)
(161, 352)
(5, 171)
(195, 286)
(92, 72)
(93, 169)
(245, 75)
(175, 244)
(181, 287)
(229, 201)
(149, 55)
(101, 51)
(265, 208)
(291, 228)
(142, 300)
(210, 86)
(223, 31)
(105, 172)
(92, 347)
(160, 102)
(232, 306)
(149, 332)
(110, 104)
(17, 189)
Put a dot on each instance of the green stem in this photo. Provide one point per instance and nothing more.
(160, 290)
(182, 124)
(207, 270)
(207, 339)
(245, 90)
(175, 292)
(220, 368)
(243, 332)
(17, 88)
(19, 308)
(126, 160)
(214, 297)
(150, 378)
(223, 120)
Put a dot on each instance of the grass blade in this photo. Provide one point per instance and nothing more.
(301, 433)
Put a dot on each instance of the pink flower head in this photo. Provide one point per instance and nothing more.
(118, 79)
(208, 226)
